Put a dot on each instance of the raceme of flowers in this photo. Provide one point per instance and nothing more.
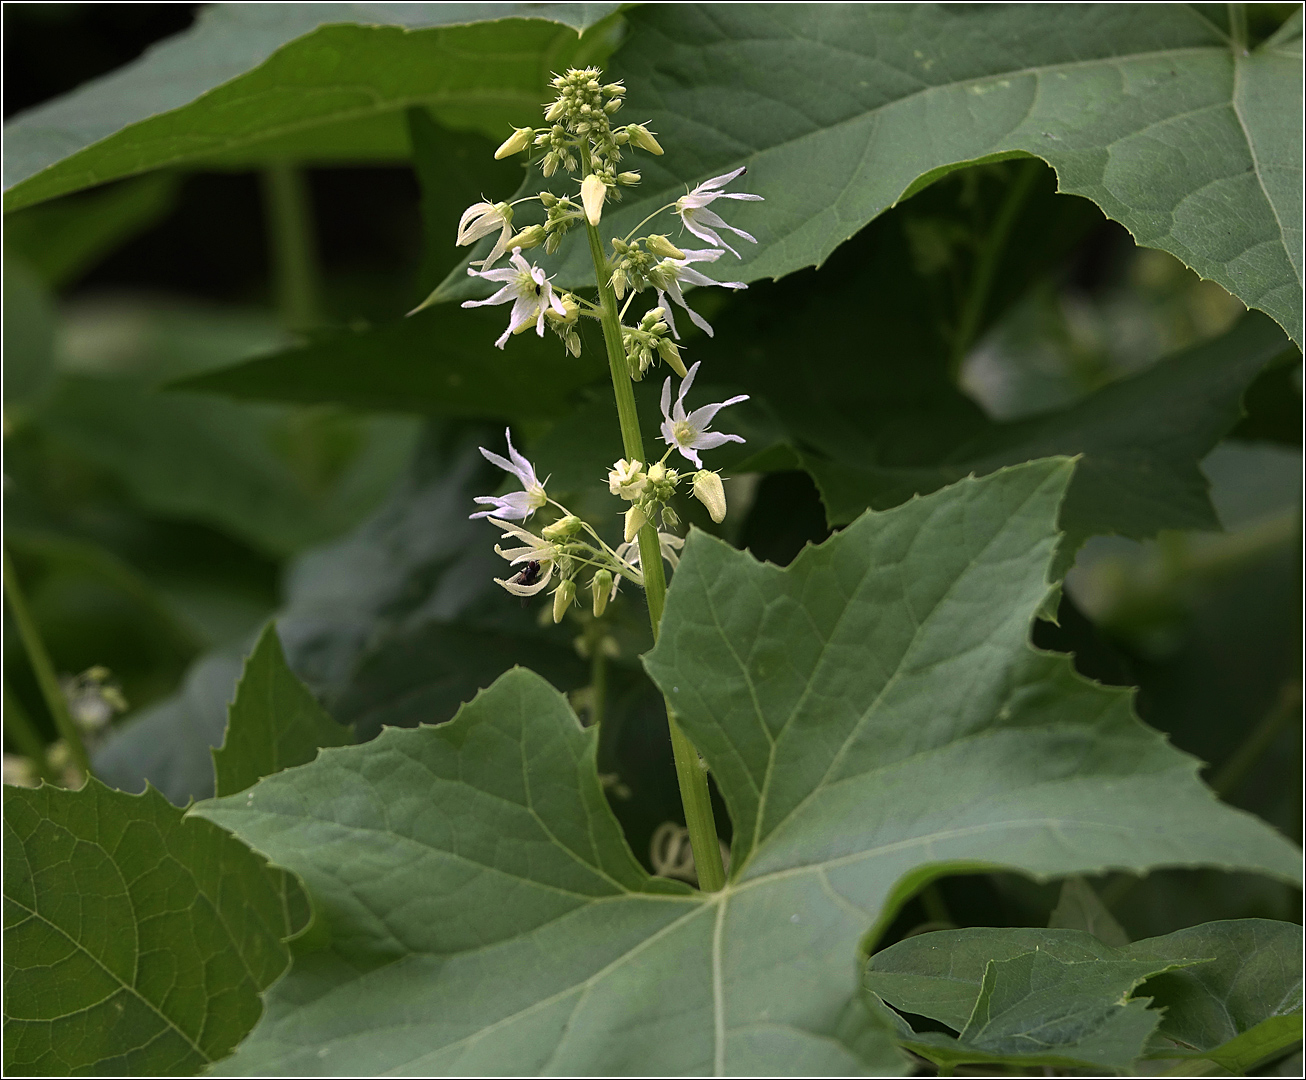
(578, 137)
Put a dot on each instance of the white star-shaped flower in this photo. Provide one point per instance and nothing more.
(481, 219)
(688, 432)
(529, 290)
(519, 505)
(667, 275)
(536, 557)
(703, 222)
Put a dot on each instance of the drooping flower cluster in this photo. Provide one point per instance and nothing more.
(578, 139)
(564, 547)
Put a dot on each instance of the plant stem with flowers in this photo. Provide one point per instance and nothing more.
(579, 136)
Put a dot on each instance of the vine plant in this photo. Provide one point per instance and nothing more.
(459, 897)
(580, 137)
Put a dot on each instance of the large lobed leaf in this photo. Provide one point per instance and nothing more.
(136, 942)
(253, 747)
(873, 716)
(251, 83)
(838, 110)
(1228, 992)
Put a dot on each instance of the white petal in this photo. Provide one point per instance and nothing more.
(722, 180)
(523, 469)
(668, 432)
(527, 590)
(701, 418)
(517, 531)
(501, 297)
(687, 382)
(666, 314)
(704, 233)
(709, 440)
(666, 397)
(700, 322)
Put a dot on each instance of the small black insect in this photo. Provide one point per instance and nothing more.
(538, 288)
(528, 575)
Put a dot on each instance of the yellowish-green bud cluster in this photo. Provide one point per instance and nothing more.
(565, 325)
(661, 482)
(581, 111)
(560, 215)
(631, 267)
(651, 337)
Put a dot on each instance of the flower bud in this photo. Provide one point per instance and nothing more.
(612, 106)
(592, 194)
(670, 519)
(636, 519)
(657, 472)
(709, 490)
(663, 248)
(518, 141)
(548, 200)
(556, 110)
(620, 246)
(670, 352)
(563, 596)
(562, 528)
(569, 304)
(601, 586)
(643, 138)
(615, 89)
(529, 237)
(573, 343)
(628, 179)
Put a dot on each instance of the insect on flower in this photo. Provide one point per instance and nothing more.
(526, 577)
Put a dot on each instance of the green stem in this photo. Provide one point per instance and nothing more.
(694, 795)
(598, 681)
(44, 669)
(1238, 27)
(981, 282)
(293, 245)
(22, 732)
